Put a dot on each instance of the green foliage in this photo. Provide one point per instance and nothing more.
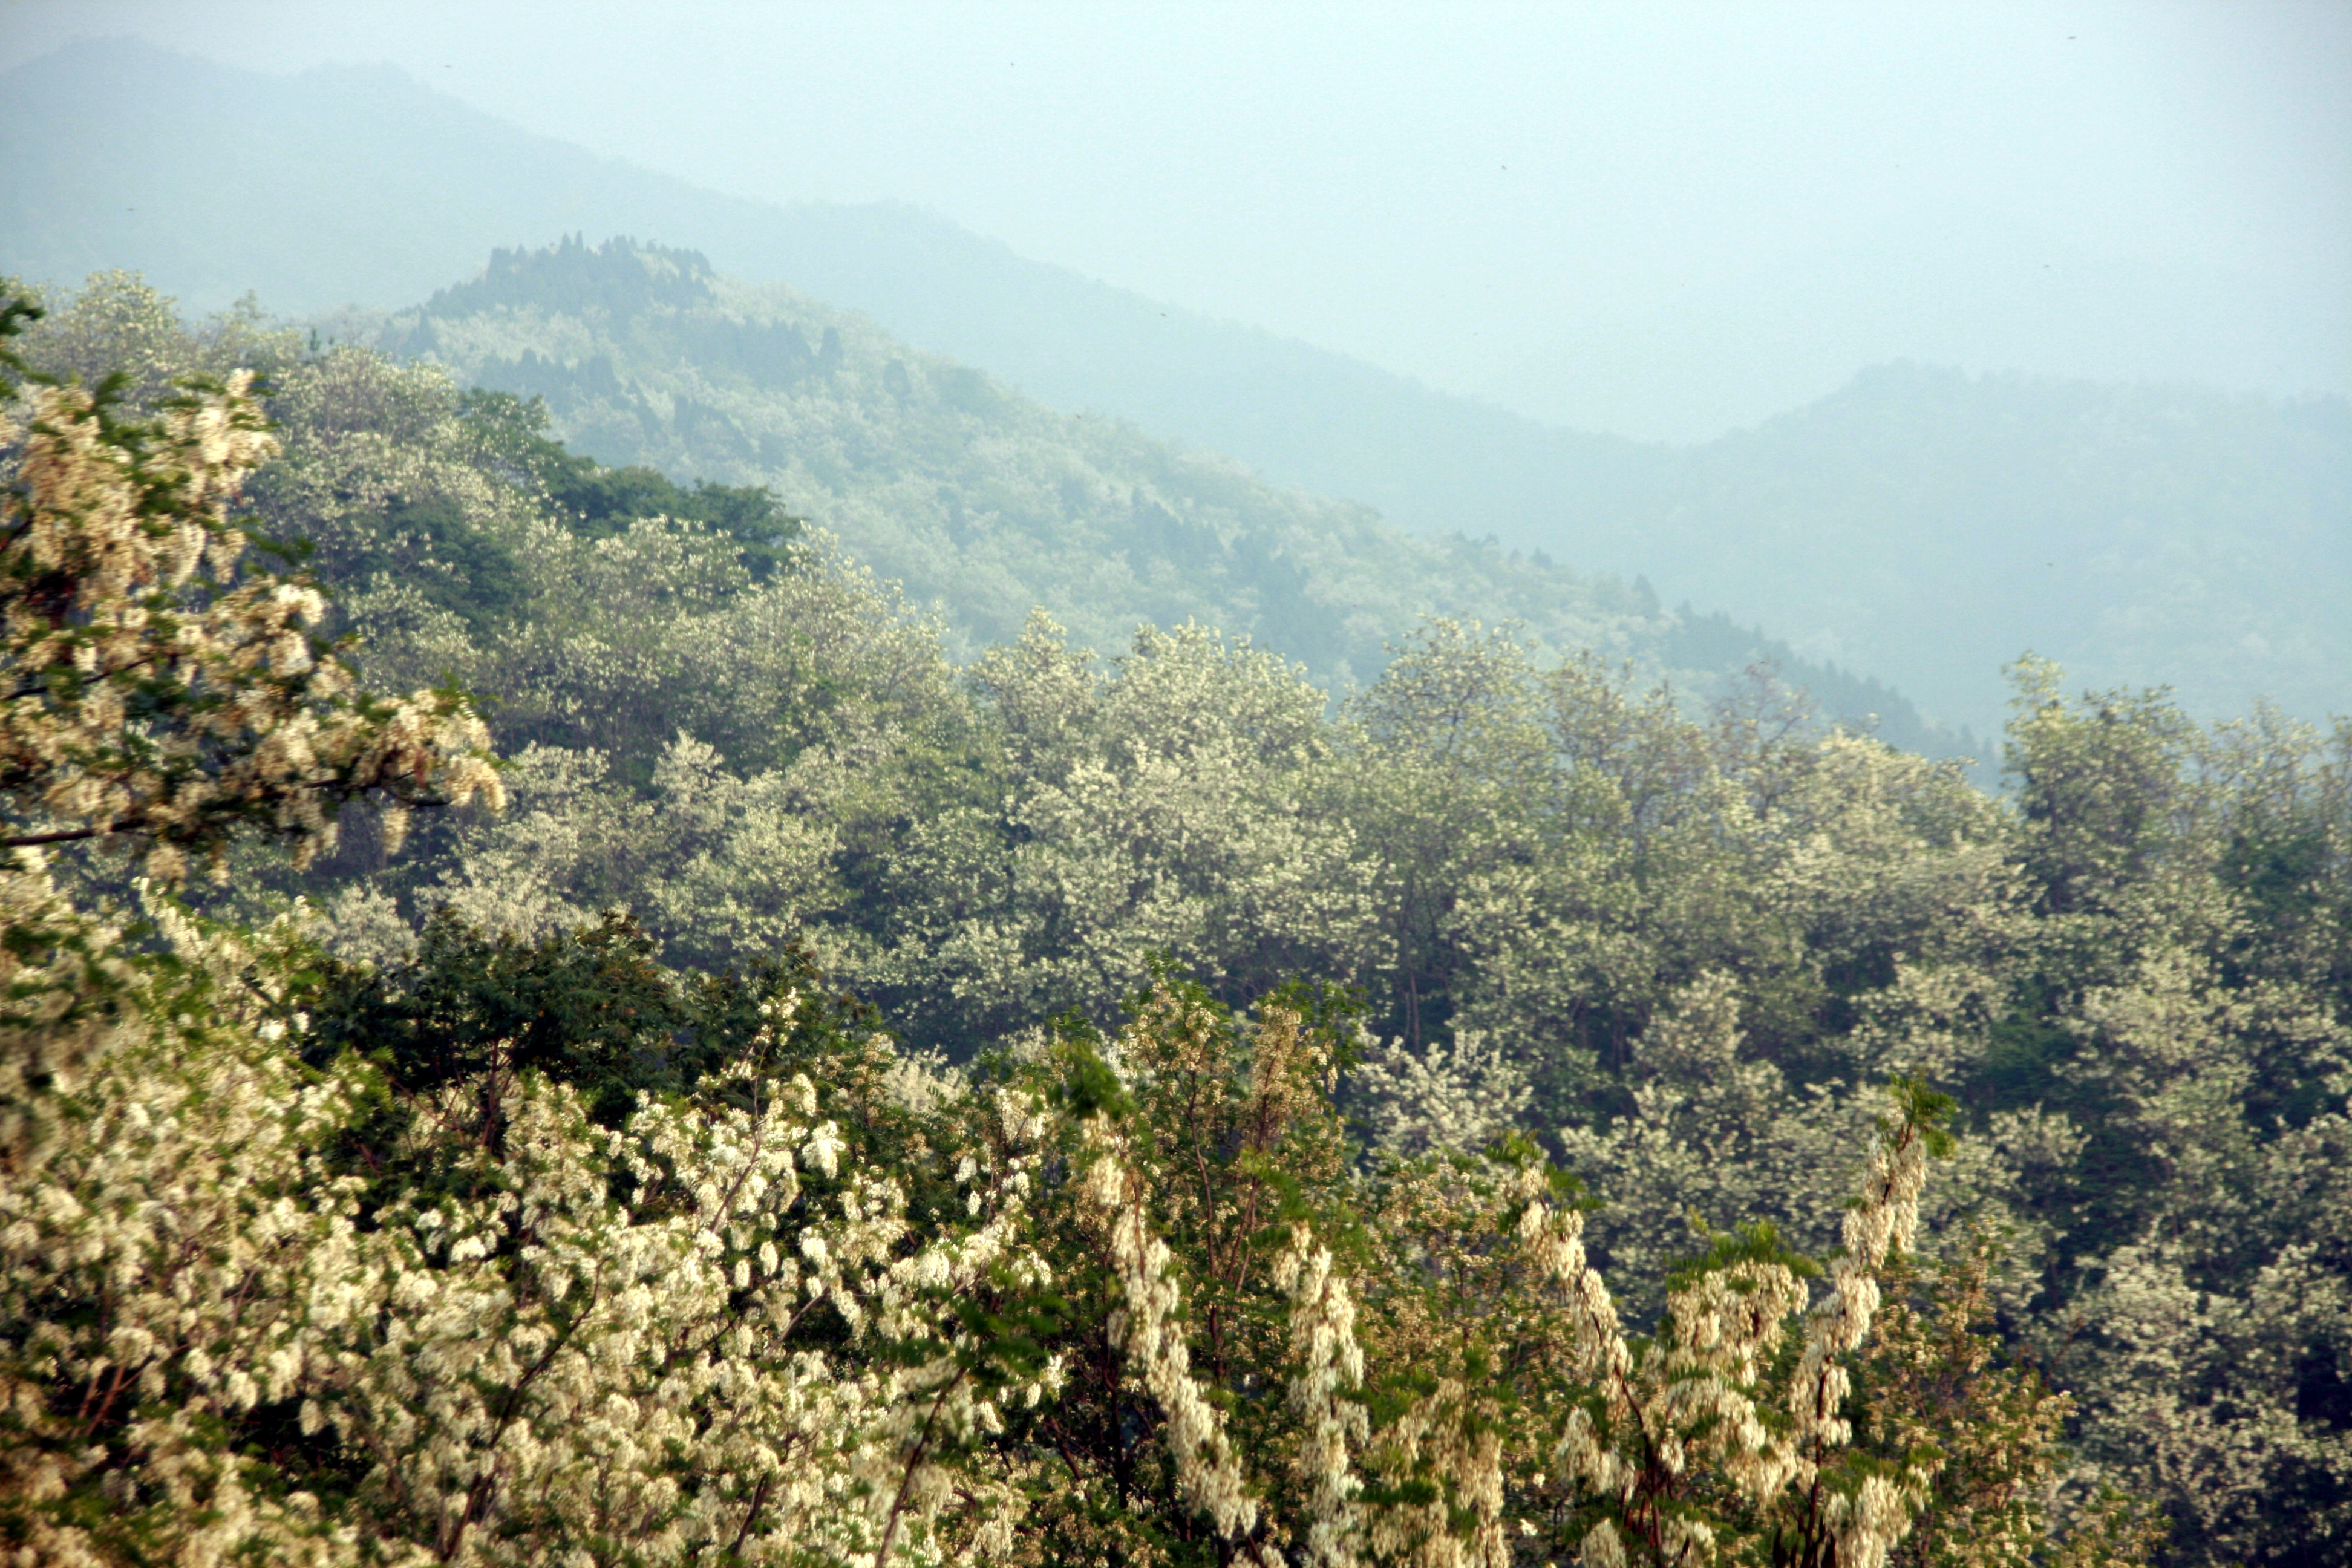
(590, 1008)
(1568, 927)
(484, 585)
(601, 502)
(2098, 790)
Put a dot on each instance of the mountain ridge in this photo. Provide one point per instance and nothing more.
(988, 503)
(2207, 562)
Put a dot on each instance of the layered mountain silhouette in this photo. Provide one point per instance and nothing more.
(1921, 524)
(985, 503)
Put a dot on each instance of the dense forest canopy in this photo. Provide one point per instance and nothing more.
(1032, 1098)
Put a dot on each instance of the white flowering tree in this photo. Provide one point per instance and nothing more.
(1174, 805)
(252, 1309)
(159, 689)
(1274, 1361)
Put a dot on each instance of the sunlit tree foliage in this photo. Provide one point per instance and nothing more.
(1069, 1108)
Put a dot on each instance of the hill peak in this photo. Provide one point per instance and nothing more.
(621, 277)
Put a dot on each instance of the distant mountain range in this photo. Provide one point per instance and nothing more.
(1921, 524)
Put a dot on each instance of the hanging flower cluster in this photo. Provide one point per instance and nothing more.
(1147, 1332)
(1464, 1391)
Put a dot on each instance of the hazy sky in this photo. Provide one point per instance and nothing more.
(1662, 219)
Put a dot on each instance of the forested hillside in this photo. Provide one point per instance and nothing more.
(824, 1099)
(989, 505)
(1922, 526)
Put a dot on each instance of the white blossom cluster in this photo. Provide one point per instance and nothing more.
(1330, 1363)
(1445, 1098)
(1149, 1335)
(144, 700)
(599, 1337)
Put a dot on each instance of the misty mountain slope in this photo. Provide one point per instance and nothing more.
(1920, 524)
(364, 187)
(989, 504)
(2137, 534)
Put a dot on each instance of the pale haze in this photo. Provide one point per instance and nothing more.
(1663, 223)
(1176, 784)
